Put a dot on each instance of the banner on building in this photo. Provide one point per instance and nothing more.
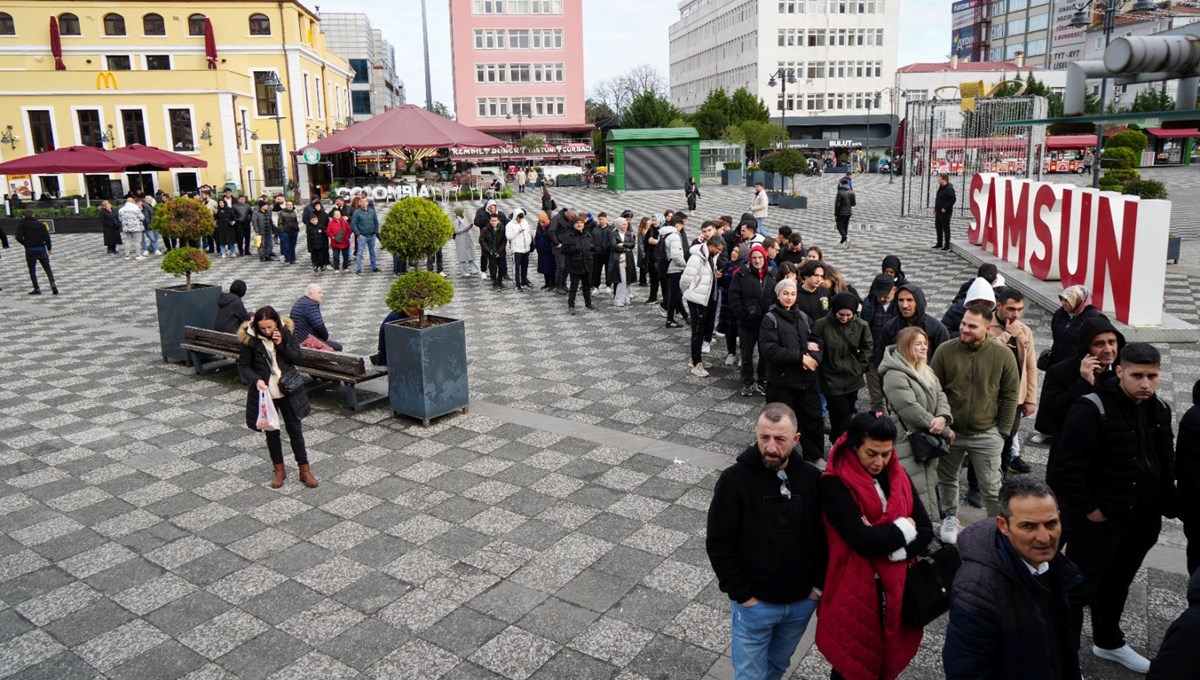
(1068, 41)
(962, 14)
(962, 41)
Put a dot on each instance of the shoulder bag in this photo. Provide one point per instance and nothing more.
(927, 586)
(291, 381)
(926, 446)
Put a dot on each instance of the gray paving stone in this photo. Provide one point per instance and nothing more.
(463, 631)
(557, 620)
(63, 666)
(666, 656)
(114, 647)
(87, 623)
(416, 659)
(515, 653)
(507, 601)
(372, 592)
(594, 590)
(282, 602)
(263, 655)
(365, 643)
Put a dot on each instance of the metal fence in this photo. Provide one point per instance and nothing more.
(940, 137)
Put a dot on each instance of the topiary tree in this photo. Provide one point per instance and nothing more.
(416, 229)
(1118, 158)
(785, 162)
(189, 221)
(1129, 139)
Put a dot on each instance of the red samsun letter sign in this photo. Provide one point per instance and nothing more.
(1114, 244)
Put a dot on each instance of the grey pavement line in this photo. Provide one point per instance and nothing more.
(603, 435)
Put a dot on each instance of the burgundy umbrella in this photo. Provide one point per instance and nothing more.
(149, 158)
(406, 127)
(86, 159)
(210, 45)
(56, 45)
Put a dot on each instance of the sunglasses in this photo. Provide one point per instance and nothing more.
(785, 489)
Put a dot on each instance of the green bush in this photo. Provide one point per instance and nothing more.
(1129, 139)
(419, 290)
(1119, 158)
(416, 229)
(183, 218)
(1146, 188)
(185, 262)
(733, 165)
(1119, 177)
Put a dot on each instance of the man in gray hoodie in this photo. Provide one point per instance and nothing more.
(671, 238)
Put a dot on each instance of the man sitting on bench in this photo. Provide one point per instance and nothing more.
(380, 357)
(231, 312)
(310, 325)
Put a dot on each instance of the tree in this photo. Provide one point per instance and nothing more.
(744, 106)
(619, 91)
(649, 110)
(785, 162)
(1152, 99)
(532, 143)
(713, 116)
(755, 134)
(416, 228)
(596, 112)
(187, 220)
(442, 110)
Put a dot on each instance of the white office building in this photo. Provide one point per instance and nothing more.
(375, 87)
(839, 52)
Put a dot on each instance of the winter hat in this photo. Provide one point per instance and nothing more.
(882, 285)
(785, 283)
(844, 301)
(981, 290)
(892, 262)
(1077, 297)
(238, 288)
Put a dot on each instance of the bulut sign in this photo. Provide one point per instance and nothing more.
(1114, 244)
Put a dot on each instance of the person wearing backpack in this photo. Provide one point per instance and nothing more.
(339, 233)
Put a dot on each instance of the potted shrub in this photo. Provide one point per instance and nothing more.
(571, 180)
(873, 162)
(732, 174)
(190, 304)
(426, 355)
(786, 164)
(755, 174)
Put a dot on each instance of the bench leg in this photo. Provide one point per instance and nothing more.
(196, 362)
(351, 396)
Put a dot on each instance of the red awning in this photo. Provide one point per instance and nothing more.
(404, 127)
(1070, 141)
(87, 159)
(141, 157)
(56, 45)
(210, 45)
(1171, 133)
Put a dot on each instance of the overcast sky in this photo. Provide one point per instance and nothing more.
(618, 34)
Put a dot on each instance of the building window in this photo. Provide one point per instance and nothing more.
(68, 24)
(133, 124)
(196, 25)
(114, 24)
(153, 24)
(181, 129)
(118, 62)
(260, 24)
(187, 181)
(158, 62)
(1016, 26)
(1038, 22)
(272, 170)
(7, 27)
(41, 131)
(90, 132)
(265, 97)
(362, 70)
(360, 102)
(307, 98)
(1035, 48)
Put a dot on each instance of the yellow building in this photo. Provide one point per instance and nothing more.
(134, 71)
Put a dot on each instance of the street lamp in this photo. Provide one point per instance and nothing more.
(272, 81)
(784, 76)
(520, 110)
(1083, 19)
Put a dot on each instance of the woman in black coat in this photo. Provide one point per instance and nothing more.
(226, 229)
(547, 266)
(548, 204)
(111, 226)
(268, 358)
(318, 242)
(792, 360)
(648, 233)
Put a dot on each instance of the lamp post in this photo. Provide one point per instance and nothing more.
(1083, 19)
(784, 76)
(272, 81)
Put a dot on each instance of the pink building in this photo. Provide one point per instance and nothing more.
(518, 70)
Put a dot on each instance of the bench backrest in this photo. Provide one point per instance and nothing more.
(337, 362)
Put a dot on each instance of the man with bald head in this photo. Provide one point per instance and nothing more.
(306, 315)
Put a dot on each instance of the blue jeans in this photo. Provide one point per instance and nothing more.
(765, 637)
(287, 245)
(759, 220)
(365, 243)
(150, 238)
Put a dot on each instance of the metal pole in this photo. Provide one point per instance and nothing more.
(782, 110)
(282, 155)
(868, 135)
(1110, 13)
(425, 36)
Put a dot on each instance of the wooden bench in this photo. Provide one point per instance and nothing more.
(330, 368)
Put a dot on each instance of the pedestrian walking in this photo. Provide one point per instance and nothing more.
(242, 213)
(464, 244)
(132, 227)
(699, 286)
(226, 229)
(521, 179)
(110, 224)
(758, 207)
(340, 235)
(318, 241)
(943, 210)
(691, 192)
(34, 235)
(493, 241)
(843, 209)
(766, 543)
(578, 252)
(267, 364)
(365, 225)
(671, 261)
(289, 231)
(481, 221)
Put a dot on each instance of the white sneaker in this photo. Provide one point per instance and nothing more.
(698, 370)
(158, 252)
(483, 275)
(140, 257)
(1124, 656)
(950, 528)
(730, 360)
(704, 348)
(145, 253)
(1040, 438)
(127, 257)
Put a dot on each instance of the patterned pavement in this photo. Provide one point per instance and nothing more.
(551, 533)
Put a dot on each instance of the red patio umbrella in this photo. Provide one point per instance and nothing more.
(142, 157)
(210, 45)
(56, 45)
(85, 159)
(404, 127)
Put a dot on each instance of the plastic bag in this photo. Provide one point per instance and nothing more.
(268, 417)
(257, 241)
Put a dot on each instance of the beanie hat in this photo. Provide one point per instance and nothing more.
(844, 301)
(785, 283)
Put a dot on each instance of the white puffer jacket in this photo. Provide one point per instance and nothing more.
(699, 276)
(519, 241)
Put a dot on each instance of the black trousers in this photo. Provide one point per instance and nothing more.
(1191, 531)
(807, 406)
(521, 265)
(577, 280)
(243, 238)
(748, 336)
(841, 410)
(295, 434)
(843, 226)
(495, 272)
(1109, 554)
(697, 313)
(673, 296)
(942, 222)
(560, 273)
(710, 319)
(484, 259)
(32, 257)
(691, 199)
(599, 264)
(646, 267)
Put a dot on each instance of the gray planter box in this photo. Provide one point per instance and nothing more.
(798, 202)
(773, 197)
(731, 177)
(427, 368)
(178, 307)
(1174, 246)
(837, 169)
(566, 182)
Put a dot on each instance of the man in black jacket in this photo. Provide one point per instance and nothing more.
(481, 220)
(560, 226)
(1112, 469)
(766, 544)
(943, 210)
(36, 238)
(578, 251)
(1066, 381)
(910, 308)
(231, 312)
(1187, 473)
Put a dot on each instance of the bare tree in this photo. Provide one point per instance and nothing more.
(645, 78)
(617, 92)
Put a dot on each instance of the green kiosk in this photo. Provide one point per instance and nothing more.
(654, 159)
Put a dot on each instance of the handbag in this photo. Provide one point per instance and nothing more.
(927, 446)
(291, 381)
(927, 586)
(1043, 360)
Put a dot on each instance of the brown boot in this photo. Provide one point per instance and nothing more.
(306, 477)
(280, 474)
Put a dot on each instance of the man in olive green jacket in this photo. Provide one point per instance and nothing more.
(979, 376)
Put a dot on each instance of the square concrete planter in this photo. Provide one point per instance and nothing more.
(179, 307)
(793, 202)
(427, 368)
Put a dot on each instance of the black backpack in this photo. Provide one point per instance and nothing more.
(662, 255)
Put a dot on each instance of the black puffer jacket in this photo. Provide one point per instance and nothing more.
(1179, 655)
(579, 250)
(1187, 460)
(933, 328)
(783, 342)
(254, 364)
(231, 313)
(750, 296)
(1062, 384)
(1116, 462)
